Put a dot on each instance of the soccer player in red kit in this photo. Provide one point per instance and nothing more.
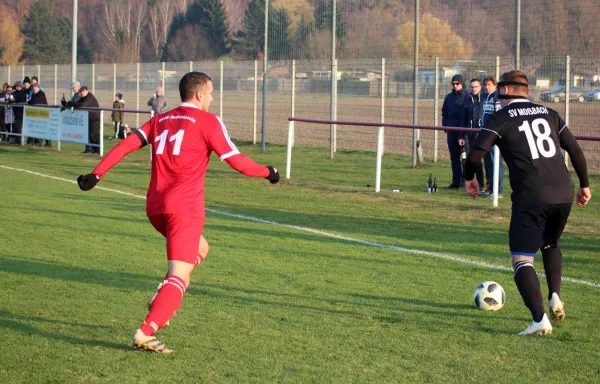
(182, 141)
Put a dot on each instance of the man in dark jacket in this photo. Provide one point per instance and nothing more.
(491, 104)
(87, 99)
(451, 117)
(38, 98)
(471, 118)
(18, 96)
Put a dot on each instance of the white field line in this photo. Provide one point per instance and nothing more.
(438, 255)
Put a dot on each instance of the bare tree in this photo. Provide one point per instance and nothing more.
(160, 16)
(121, 32)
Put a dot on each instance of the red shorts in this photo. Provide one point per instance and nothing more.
(182, 234)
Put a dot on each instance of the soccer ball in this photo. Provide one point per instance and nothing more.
(489, 296)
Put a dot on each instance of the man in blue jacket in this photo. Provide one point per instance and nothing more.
(451, 117)
(472, 117)
(490, 105)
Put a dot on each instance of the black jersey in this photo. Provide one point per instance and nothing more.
(529, 138)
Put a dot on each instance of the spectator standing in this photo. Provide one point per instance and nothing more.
(87, 99)
(117, 116)
(472, 117)
(18, 96)
(27, 87)
(452, 110)
(39, 98)
(3, 112)
(491, 105)
(158, 101)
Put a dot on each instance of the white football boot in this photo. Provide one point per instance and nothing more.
(557, 308)
(542, 328)
(149, 343)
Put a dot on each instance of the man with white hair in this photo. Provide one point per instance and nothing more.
(158, 101)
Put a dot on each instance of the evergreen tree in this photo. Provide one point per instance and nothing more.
(177, 25)
(47, 38)
(210, 16)
(250, 43)
(323, 17)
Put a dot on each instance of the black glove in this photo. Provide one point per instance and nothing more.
(63, 102)
(273, 175)
(87, 182)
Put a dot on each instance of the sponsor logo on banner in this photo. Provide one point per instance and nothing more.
(46, 123)
(74, 126)
(41, 123)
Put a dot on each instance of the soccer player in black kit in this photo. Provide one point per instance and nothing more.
(530, 138)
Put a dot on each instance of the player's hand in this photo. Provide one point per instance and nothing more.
(273, 175)
(88, 181)
(472, 187)
(584, 195)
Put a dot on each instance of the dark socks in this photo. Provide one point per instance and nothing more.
(553, 268)
(529, 288)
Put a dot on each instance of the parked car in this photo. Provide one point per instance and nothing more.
(594, 94)
(558, 94)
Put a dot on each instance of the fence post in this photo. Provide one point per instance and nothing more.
(335, 101)
(39, 73)
(288, 163)
(101, 133)
(436, 107)
(93, 78)
(162, 85)
(255, 100)
(59, 124)
(382, 102)
(567, 97)
(114, 80)
(497, 68)
(8, 79)
(379, 154)
(56, 88)
(137, 94)
(23, 77)
(293, 111)
(191, 66)
(221, 92)
(495, 176)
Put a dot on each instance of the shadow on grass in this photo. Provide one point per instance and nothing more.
(354, 305)
(18, 323)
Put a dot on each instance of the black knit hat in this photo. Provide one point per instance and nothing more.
(35, 78)
(119, 95)
(458, 78)
(26, 80)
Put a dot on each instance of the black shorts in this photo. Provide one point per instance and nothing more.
(532, 226)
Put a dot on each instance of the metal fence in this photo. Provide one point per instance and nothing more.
(367, 90)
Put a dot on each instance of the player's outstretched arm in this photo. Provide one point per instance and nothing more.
(130, 144)
(248, 167)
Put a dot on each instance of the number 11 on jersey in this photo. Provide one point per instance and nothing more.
(162, 139)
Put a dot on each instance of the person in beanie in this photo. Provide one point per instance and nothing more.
(451, 117)
(27, 87)
(117, 116)
(18, 96)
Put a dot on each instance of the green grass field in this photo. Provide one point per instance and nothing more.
(336, 284)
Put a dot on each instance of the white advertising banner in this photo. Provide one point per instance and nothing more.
(74, 126)
(41, 123)
(46, 123)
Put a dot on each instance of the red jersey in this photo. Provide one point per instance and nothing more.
(182, 141)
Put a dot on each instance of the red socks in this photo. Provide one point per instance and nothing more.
(164, 306)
